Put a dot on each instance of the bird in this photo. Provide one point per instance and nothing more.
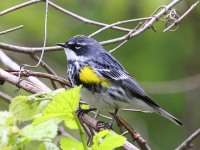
(106, 85)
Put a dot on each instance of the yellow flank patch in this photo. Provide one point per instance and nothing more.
(87, 75)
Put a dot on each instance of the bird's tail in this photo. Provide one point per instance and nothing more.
(167, 115)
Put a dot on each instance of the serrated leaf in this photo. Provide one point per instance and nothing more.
(103, 140)
(22, 109)
(44, 131)
(70, 144)
(62, 106)
(47, 146)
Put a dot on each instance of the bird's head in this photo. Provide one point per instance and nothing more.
(80, 47)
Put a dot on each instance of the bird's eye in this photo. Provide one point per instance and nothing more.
(77, 46)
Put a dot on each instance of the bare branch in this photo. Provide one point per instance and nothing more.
(135, 135)
(85, 20)
(32, 88)
(179, 19)
(27, 50)
(93, 123)
(118, 23)
(46, 67)
(5, 97)
(9, 63)
(28, 73)
(187, 143)
(146, 26)
(18, 7)
(11, 30)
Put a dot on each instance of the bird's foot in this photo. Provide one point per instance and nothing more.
(80, 112)
(103, 125)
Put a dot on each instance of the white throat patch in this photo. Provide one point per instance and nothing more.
(71, 55)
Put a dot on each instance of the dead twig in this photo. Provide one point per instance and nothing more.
(187, 143)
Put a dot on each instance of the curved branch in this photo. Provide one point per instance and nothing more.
(146, 26)
(18, 7)
(93, 123)
(32, 88)
(27, 73)
(28, 50)
(11, 30)
(85, 20)
(187, 143)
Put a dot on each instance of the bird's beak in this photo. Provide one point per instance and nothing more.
(61, 44)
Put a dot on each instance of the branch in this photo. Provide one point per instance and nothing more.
(32, 88)
(85, 20)
(11, 30)
(187, 143)
(94, 123)
(179, 19)
(18, 7)
(28, 73)
(135, 135)
(9, 63)
(5, 97)
(118, 23)
(27, 50)
(146, 26)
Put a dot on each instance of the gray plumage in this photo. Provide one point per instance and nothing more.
(123, 91)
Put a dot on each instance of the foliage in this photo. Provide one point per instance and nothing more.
(44, 113)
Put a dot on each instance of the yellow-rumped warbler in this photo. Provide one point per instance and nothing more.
(106, 84)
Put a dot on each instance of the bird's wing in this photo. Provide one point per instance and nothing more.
(122, 78)
(107, 67)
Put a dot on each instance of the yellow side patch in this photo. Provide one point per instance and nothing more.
(87, 75)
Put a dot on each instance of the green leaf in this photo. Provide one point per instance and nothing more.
(85, 106)
(4, 137)
(44, 131)
(103, 140)
(23, 109)
(6, 119)
(70, 144)
(47, 146)
(6, 148)
(62, 106)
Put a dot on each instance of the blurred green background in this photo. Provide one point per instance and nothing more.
(150, 57)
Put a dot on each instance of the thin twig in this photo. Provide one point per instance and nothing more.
(179, 19)
(46, 67)
(93, 123)
(27, 73)
(135, 29)
(10, 64)
(146, 26)
(11, 30)
(32, 88)
(187, 143)
(135, 135)
(5, 97)
(45, 38)
(18, 7)
(43, 64)
(85, 20)
(117, 23)
(28, 50)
